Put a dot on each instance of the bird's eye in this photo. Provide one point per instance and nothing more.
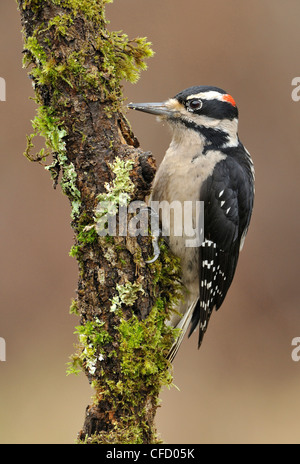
(194, 105)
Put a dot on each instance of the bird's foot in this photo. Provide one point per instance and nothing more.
(156, 234)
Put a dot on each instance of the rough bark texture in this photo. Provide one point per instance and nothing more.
(76, 66)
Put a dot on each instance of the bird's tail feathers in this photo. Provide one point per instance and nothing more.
(183, 326)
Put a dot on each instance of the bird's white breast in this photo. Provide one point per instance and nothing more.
(179, 178)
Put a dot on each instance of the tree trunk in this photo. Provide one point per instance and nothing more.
(76, 66)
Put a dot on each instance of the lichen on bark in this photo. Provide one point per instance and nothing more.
(77, 65)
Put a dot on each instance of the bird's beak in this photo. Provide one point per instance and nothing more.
(159, 109)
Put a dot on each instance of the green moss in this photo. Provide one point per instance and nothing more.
(102, 65)
(46, 69)
(120, 58)
(143, 347)
(166, 272)
(74, 307)
(48, 125)
(87, 235)
(92, 341)
(75, 251)
(116, 58)
(33, 51)
(141, 354)
(91, 9)
(144, 344)
(84, 238)
(61, 25)
(121, 433)
(123, 58)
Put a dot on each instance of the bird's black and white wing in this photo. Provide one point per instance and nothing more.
(228, 200)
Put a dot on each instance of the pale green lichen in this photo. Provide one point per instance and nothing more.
(46, 124)
(117, 193)
(121, 185)
(68, 185)
(101, 276)
(127, 294)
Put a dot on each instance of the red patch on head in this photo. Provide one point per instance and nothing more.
(229, 99)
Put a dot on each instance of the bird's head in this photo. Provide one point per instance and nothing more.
(207, 110)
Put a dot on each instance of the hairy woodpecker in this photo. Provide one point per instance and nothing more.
(205, 161)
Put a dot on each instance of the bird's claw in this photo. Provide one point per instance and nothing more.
(156, 233)
(156, 250)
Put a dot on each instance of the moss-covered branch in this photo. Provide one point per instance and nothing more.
(76, 65)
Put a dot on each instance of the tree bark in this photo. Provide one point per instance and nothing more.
(76, 66)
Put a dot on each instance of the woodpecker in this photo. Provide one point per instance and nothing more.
(205, 161)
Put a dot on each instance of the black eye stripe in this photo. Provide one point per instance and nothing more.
(212, 108)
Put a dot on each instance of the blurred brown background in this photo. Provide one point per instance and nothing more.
(242, 386)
